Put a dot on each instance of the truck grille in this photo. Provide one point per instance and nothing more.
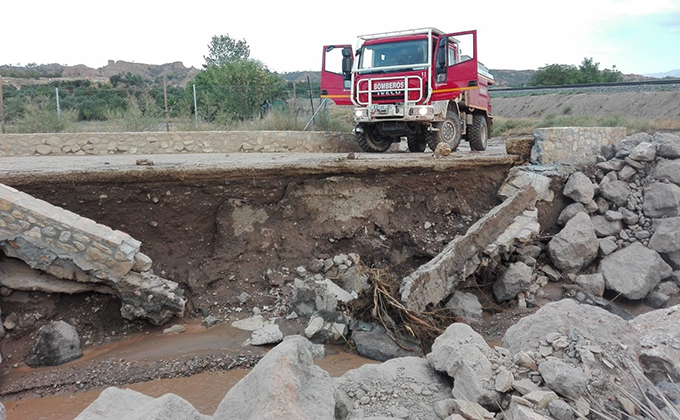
(389, 90)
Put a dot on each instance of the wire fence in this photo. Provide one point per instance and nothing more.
(84, 107)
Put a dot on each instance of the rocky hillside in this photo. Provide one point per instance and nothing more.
(177, 74)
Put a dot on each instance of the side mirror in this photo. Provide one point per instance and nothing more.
(346, 60)
(441, 53)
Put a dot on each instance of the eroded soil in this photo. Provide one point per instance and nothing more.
(219, 239)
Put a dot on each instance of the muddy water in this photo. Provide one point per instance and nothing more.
(204, 390)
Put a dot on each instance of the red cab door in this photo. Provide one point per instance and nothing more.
(455, 65)
(336, 83)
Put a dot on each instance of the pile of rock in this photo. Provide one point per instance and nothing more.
(564, 362)
(623, 228)
(314, 297)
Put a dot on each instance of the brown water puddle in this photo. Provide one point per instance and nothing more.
(204, 390)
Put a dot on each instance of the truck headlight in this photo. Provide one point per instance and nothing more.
(422, 111)
(360, 112)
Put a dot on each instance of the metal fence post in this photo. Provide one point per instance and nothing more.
(195, 109)
(2, 109)
(58, 109)
(165, 97)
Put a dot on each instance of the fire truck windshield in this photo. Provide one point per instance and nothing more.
(412, 53)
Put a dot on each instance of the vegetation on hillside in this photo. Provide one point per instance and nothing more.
(563, 74)
(31, 71)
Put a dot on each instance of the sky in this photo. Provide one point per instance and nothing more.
(637, 36)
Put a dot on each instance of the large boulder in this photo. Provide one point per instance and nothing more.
(564, 379)
(634, 271)
(667, 145)
(643, 152)
(377, 344)
(614, 190)
(570, 211)
(579, 188)
(516, 279)
(661, 200)
(605, 227)
(666, 237)
(659, 333)
(462, 354)
(167, 407)
(668, 170)
(410, 385)
(575, 246)
(54, 344)
(284, 384)
(126, 404)
(603, 342)
(466, 306)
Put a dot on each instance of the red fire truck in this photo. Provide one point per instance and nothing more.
(422, 84)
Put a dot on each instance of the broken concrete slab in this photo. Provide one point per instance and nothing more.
(71, 247)
(521, 177)
(17, 275)
(147, 296)
(434, 281)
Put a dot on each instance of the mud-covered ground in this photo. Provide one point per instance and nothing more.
(219, 239)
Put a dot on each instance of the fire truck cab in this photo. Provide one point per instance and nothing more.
(422, 84)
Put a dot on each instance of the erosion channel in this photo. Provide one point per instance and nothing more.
(235, 241)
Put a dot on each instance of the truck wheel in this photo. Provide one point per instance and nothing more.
(416, 143)
(479, 132)
(449, 132)
(371, 142)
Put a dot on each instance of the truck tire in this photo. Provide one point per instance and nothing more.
(416, 143)
(478, 134)
(449, 132)
(371, 142)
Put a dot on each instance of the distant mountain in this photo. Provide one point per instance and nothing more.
(670, 74)
(176, 73)
(511, 78)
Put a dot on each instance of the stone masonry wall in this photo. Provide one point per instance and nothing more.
(572, 144)
(106, 253)
(74, 248)
(66, 144)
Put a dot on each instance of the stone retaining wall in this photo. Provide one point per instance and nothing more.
(66, 144)
(74, 248)
(572, 144)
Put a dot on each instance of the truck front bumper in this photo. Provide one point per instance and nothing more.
(382, 112)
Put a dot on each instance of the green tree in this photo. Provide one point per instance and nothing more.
(555, 74)
(236, 89)
(613, 75)
(589, 71)
(563, 74)
(224, 49)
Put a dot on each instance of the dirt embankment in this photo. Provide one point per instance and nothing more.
(642, 105)
(219, 238)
